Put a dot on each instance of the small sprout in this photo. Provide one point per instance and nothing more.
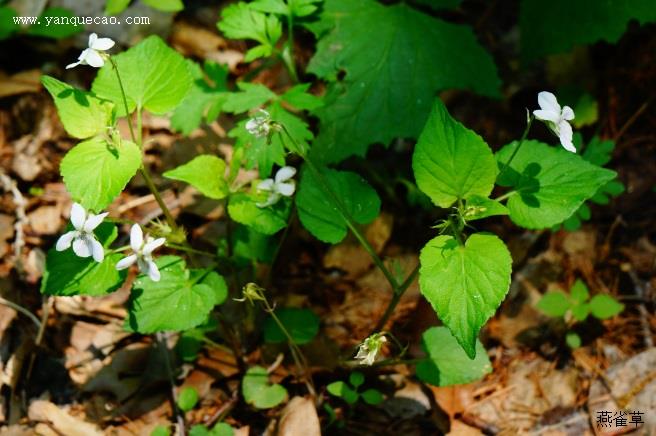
(471, 211)
(556, 118)
(94, 55)
(143, 253)
(252, 293)
(369, 349)
(282, 185)
(82, 238)
(260, 126)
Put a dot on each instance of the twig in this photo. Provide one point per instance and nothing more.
(9, 185)
(632, 119)
(639, 288)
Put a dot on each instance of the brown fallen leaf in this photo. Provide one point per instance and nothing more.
(61, 420)
(19, 83)
(299, 418)
(45, 220)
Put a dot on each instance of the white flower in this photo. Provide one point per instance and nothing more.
(92, 56)
(370, 348)
(556, 118)
(278, 187)
(84, 241)
(143, 253)
(259, 126)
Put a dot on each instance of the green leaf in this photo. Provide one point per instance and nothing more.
(8, 27)
(465, 284)
(205, 173)
(160, 430)
(554, 303)
(182, 299)
(550, 183)
(222, 429)
(187, 398)
(604, 306)
(439, 4)
(598, 152)
(267, 220)
(579, 292)
(95, 171)
(372, 397)
(562, 24)
(580, 311)
(447, 363)
(390, 80)
(250, 244)
(82, 113)
(573, 340)
(356, 379)
(319, 216)
(165, 5)
(301, 324)
(249, 96)
(270, 6)
(155, 77)
(298, 97)
(203, 99)
(343, 391)
(115, 7)
(477, 207)
(451, 162)
(586, 110)
(241, 21)
(258, 392)
(55, 23)
(66, 274)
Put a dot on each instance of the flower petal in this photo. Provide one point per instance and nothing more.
(548, 102)
(265, 185)
(64, 241)
(544, 115)
(78, 216)
(136, 238)
(92, 39)
(152, 245)
(126, 262)
(565, 135)
(97, 250)
(568, 113)
(94, 221)
(285, 173)
(102, 44)
(153, 271)
(273, 199)
(73, 65)
(94, 59)
(287, 189)
(82, 246)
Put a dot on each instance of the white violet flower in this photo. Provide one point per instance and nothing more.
(280, 186)
(370, 348)
(143, 253)
(259, 126)
(93, 55)
(556, 118)
(82, 238)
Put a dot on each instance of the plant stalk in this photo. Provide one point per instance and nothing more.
(521, 142)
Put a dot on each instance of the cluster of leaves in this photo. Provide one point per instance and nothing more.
(115, 7)
(577, 306)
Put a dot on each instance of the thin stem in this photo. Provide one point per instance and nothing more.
(158, 198)
(125, 100)
(288, 52)
(297, 354)
(190, 250)
(179, 415)
(396, 298)
(521, 142)
(21, 309)
(506, 195)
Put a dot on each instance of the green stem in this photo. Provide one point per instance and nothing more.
(521, 142)
(506, 195)
(288, 52)
(158, 198)
(21, 309)
(297, 354)
(190, 250)
(396, 298)
(125, 100)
